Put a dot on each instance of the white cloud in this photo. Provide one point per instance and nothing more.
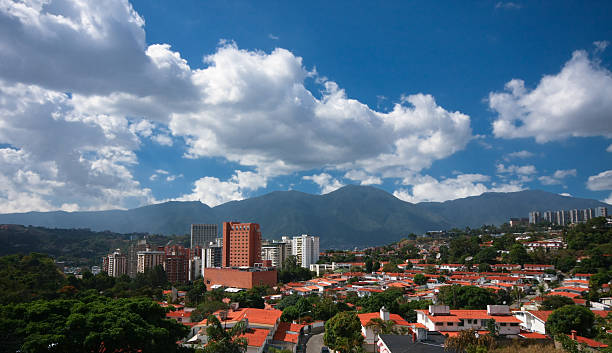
(566, 194)
(518, 154)
(601, 45)
(58, 158)
(608, 200)
(325, 181)
(212, 191)
(248, 107)
(609, 149)
(575, 102)
(427, 188)
(363, 177)
(557, 176)
(515, 169)
(601, 181)
(272, 36)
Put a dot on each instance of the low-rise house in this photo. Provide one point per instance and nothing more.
(538, 267)
(369, 331)
(533, 320)
(440, 318)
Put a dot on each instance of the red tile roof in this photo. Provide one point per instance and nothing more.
(256, 337)
(589, 342)
(533, 335)
(541, 314)
(365, 318)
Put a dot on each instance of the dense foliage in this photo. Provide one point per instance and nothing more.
(343, 332)
(43, 311)
(571, 317)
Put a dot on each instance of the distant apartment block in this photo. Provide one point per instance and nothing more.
(132, 256)
(565, 217)
(115, 264)
(213, 255)
(241, 244)
(203, 234)
(176, 263)
(306, 249)
(148, 259)
(276, 252)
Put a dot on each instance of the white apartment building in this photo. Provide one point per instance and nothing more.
(306, 249)
(277, 252)
(117, 264)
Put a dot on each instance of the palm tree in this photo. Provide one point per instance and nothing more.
(221, 340)
(466, 339)
(380, 326)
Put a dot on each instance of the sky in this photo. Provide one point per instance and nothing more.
(113, 104)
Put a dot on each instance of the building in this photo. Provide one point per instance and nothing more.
(195, 264)
(176, 263)
(575, 216)
(241, 244)
(277, 251)
(440, 318)
(132, 258)
(534, 217)
(562, 218)
(306, 249)
(148, 259)
(115, 264)
(588, 214)
(212, 255)
(519, 222)
(601, 212)
(548, 217)
(203, 234)
(246, 278)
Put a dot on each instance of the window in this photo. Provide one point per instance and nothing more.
(461, 323)
(449, 324)
(439, 323)
(513, 324)
(502, 324)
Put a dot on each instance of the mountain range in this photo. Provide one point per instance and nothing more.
(348, 217)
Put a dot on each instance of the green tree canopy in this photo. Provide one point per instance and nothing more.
(221, 340)
(466, 297)
(571, 317)
(343, 332)
(420, 279)
(553, 302)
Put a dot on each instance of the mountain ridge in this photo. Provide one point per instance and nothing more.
(350, 216)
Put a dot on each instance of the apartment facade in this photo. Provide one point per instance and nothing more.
(203, 234)
(306, 249)
(241, 244)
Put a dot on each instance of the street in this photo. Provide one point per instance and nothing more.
(315, 343)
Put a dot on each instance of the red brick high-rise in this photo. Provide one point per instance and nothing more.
(176, 263)
(241, 244)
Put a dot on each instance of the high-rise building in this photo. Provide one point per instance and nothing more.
(213, 256)
(588, 213)
(132, 258)
(306, 249)
(115, 264)
(548, 216)
(176, 263)
(241, 244)
(276, 252)
(601, 212)
(575, 216)
(203, 234)
(534, 217)
(562, 218)
(150, 258)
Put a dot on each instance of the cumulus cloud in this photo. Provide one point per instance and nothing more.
(515, 169)
(601, 181)
(57, 158)
(325, 181)
(518, 154)
(363, 177)
(248, 107)
(566, 194)
(557, 176)
(575, 102)
(427, 188)
(609, 149)
(213, 191)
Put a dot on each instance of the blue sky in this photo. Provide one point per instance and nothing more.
(115, 104)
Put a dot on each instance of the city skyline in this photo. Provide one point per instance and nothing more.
(120, 104)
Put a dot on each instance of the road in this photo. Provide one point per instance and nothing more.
(315, 343)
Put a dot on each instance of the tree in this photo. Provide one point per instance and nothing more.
(468, 340)
(343, 332)
(420, 279)
(571, 317)
(369, 265)
(380, 326)
(325, 309)
(92, 324)
(390, 267)
(553, 302)
(518, 254)
(221, 340)
(196, 293)
(466, 297)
